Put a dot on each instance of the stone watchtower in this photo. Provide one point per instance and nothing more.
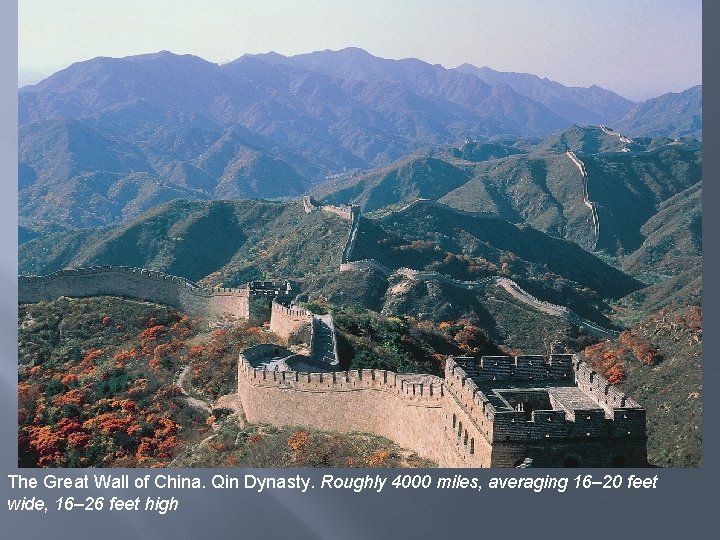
(547, 412)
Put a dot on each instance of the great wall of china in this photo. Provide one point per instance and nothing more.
(135, 283)
(293, 325)
(620, 136)
(500, 412)
(477, 416)
(353, 214)
(586, 200)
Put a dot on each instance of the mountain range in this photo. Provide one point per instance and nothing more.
(470, 177)
(539, 184)
(106, 139)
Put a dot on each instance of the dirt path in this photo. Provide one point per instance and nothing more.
(192, 401)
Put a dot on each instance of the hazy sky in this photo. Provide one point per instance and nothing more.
(638, 48)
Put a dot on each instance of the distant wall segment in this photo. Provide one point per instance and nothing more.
(136, 283)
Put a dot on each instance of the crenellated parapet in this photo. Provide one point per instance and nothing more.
(286, 321)
(149, 285)
(533, 398)
(556, 367)
(365, 263)
(495, 412)
(597, 386)
(418, 389)
(294, 313)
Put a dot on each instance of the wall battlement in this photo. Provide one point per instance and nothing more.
(412, 410)
(137, 283)
(469, 427)
(292, 312)
(618, 417)
(286, 321)
(594, 384)
(425, 389)
(524, 367)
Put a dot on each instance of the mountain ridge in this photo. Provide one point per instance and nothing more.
(162, 126)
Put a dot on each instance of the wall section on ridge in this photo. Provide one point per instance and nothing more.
(135, 283)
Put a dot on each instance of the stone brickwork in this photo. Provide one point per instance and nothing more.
(467, 419)
(409, 409)
(135, 283)
(288, 322)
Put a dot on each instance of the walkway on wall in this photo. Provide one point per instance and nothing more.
(516, 292)
(507, 284)
(586, 200)
(324, 349)
(620, 136)
(553, 309)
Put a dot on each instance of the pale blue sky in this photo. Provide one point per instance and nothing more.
(638, 48)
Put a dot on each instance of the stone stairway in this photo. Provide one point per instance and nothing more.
(323, 342)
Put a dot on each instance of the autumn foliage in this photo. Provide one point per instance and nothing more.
(299, 441)
(643, 351)
(113, 405)
(606, 361)
(214, 362)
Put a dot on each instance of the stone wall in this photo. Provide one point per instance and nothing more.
(586, 198)
(609, 397)
(590, 436)
(354, 216)
(592, 453)
(136, 283)
(430, 275)
(309, 204)
(365, 263)
(285, 321)
(436, 204)
(553, 309)
(412, 410)
(450, 421)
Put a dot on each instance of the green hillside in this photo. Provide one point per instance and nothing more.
(432, 237)
(536, 183)
(221, 242)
